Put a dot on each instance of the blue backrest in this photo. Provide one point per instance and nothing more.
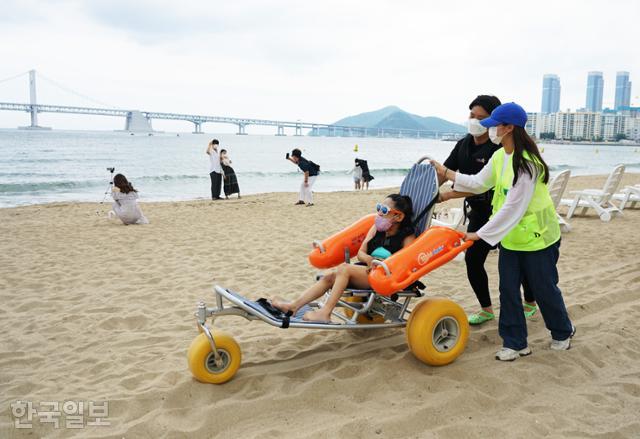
(421, 184)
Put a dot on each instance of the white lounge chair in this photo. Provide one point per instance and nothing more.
(451, 218)
(630, 194)
(597, 199)
(557, 186)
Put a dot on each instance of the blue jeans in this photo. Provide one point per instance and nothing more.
(538, 269)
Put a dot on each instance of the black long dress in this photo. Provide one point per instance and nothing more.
(366, 175)
(230, 180)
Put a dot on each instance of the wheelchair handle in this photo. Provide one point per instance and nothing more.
(318, 245)
(377, 263)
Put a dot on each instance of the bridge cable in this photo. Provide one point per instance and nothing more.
(13, 77)
(68, 90)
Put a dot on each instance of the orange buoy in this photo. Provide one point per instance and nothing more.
(331, 251)
(435, 247)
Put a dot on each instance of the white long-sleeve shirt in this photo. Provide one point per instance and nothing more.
(127, 209)
(514, 207)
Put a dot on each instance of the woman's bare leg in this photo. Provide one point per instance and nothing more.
(356, 275)
(315, 291)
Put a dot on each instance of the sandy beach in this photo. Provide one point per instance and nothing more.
(92, 310)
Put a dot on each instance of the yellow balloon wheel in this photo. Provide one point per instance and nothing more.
(362, 318)
(202, 361)
(437, 331)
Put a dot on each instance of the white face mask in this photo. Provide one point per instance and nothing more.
(474, 128)
(493, 136)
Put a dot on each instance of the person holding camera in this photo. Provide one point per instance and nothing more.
(215, 169)
(125, 202)
(311, 171)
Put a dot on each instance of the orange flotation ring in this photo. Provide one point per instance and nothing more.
(331, 251)
(435, 247)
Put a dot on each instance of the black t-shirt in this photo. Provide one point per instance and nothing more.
(469, 158)
(392, 243)
(307, 166)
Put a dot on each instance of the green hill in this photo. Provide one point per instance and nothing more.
(392, 117)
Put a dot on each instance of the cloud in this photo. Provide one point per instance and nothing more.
(17, 12)
(318, 61)
(155, 22)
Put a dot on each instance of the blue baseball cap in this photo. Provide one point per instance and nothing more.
(509, 113)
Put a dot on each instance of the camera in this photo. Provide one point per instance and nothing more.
(111, 170)
(287, 156)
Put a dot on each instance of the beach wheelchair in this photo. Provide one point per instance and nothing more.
(436, 328)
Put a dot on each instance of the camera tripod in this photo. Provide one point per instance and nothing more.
(108, 190)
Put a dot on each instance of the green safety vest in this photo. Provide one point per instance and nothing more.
(539, 227)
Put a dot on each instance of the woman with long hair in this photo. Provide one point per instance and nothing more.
(392, 231)
(125, 202)
(469, 156)
(366, 174)
(230, 179)
(525, 224)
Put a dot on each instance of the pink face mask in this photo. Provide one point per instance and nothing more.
(383, 224)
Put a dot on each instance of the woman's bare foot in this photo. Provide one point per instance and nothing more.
(283, 305)
(319, 315)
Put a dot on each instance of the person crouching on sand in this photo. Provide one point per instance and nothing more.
(125, 202)
(392, 231)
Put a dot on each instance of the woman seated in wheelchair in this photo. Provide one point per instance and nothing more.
(393, 230)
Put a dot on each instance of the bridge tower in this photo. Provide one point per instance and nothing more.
(137, 122)
(198, 127)
(33, 101)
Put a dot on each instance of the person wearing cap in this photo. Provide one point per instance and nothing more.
(525, 224)
(469, 156)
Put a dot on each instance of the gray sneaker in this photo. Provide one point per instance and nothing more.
(508, 354)
(563, 345)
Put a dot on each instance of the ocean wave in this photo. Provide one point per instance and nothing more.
(554, 168)
(56, 186)
(49, 186)
(331, 172)
(169, 177)
(28, 174)
(253, 174)
(41, 160)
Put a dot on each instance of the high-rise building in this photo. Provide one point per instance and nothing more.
(550, 94)
(623, 90)
(595, 88)
(581, 125)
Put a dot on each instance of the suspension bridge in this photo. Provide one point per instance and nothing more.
(140, 121)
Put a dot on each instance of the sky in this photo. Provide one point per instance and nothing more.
(313, 61)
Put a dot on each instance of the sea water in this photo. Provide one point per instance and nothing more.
(62, 166)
